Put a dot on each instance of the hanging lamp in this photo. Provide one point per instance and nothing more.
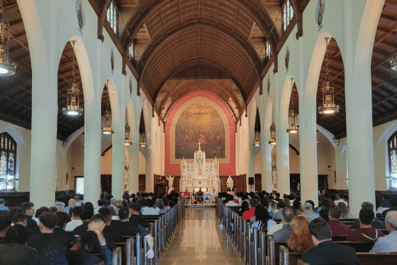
(143, 139)
(7, 68)
(127, 135)
(257, 141)
(107, 129)
(292, 128)
(273, 134)
(328, 105)
(73, 95)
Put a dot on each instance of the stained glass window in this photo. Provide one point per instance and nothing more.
(288, 14)
(8, 154)
(392, 151)
(112, 16)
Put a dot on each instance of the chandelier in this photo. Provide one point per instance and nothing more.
(293, 128)
(7, 68)
(73, 95)
(257, 140)
(107, 129)
(328, 98)
(273, 134)
(127, 135)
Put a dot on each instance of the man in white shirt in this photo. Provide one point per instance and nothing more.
(338, 200)
(76, 221)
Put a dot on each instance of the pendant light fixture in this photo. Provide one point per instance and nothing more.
(73, 95)
(143, 139)
(127, 135)
(257, 140)
(7, 68)
(273, 133)
(293, 128)
(328, 105)
(107, 129)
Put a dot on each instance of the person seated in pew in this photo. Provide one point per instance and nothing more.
(186, 193)
(393, 206)
(376, 224)
(60, 225)
(14, 249)
(337, 227)
(285, 232)
(135, 218)
(47, 236)
(388, 243)
(4, 211)
(20, 219)
(151, 209)
(345, 211)
(385, 201)
(263, 219)
(308, 212)
(5, 224)
(231, 201)
(265, 202)
(28, 209)
(300, 240)
(200, 196)
(76, 221)
(85, 218)
(91, 242)
(110, 232)
(160, 205)
(326, 251)
(247, 215)
(365, 233)
(278, 215)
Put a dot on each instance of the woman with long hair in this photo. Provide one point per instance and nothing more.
(301, 240)
(245, 206)
(345, 212)
(263, 219)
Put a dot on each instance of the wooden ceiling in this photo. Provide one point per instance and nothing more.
(188, 45)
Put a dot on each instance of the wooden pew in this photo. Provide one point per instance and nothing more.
(358, 246)
(288, 258)
(377, 258)
(117, 256)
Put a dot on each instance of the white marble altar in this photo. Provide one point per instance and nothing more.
(199, 173)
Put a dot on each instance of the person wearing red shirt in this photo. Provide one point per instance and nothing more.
(337, 227)
(247, 215)
(186, 193)
(365, 233)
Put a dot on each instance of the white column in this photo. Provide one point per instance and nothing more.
(308, 154)
(133, 173)
(149, 178)
(43, 166)
(282, 139)
(92, 153)
(118, 159)
(266, 160)
(358, 98)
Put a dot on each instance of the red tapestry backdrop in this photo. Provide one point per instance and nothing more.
(212, 137)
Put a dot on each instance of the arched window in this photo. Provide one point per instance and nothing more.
(392, 146)
(8, 155)
(112, 16)
(288, 14)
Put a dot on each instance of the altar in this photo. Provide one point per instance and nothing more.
(199, 173)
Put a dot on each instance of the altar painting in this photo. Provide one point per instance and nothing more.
(200, 122)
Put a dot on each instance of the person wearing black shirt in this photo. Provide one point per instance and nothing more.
(59, 229)
(28, 208)
(47, 236)
(111, 233)
(5, 223)
(124, 226)
(135, 219)
(81, 229)
(22, 220)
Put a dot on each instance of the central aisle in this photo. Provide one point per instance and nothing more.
(198, 240)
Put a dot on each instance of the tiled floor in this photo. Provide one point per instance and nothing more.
(198, 240)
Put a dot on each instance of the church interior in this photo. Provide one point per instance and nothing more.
(151, 96)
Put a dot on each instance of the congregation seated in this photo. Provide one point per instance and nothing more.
(326, 251)
(231, 201)
(280, 206)
(199, 196)
(376, 224)
(245, 206)
(110, 232)
(337, 227)
(388, 243)
(28, 209)
(46, 235)
(263, 219)
(265, 202)
(135, 218)
(296, 205)
(324, 205)
(385, 201)
(59, 230)
(76, 221)
(308, 212)
(14, 250)
(248, 214)
(393, 206)
(5, 224)
(85, 218)
(42, 209)
(285, 232)
(88, 206)
(149, 209)
(20, 219)
(68, 208)
(339, 199)
(345, 214)
(300, 240)
(365, 233)
(160, 205)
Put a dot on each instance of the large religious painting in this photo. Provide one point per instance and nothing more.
(200, 121)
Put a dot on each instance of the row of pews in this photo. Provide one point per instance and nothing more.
(255, 247)
(131, 251)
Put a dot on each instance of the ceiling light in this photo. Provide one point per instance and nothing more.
(7, 68)
(273, 134)
(127, 135)
(257, 141)
(107, 129)
(293, 128)
(143, 140)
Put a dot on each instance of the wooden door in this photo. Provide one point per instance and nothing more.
(106, 183)
(142, 182)
(258, 182)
